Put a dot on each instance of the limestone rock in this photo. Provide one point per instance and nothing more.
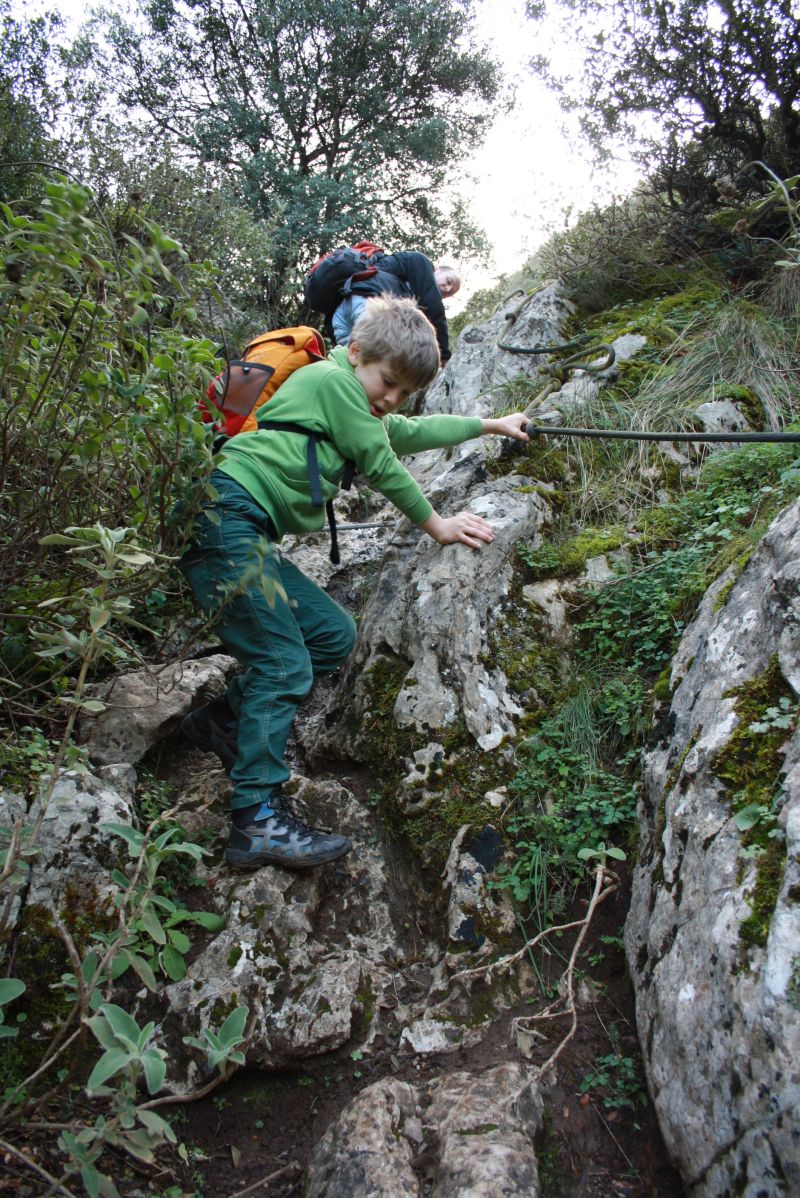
(479, 366)
(367, 1153)
(721, 415)
(425, 1036)
(474, 913)
(581, 388)
(76, 852)
(478, 1140)
(431, 609)
(721, 1023)
(547, 596)
(485, 1128)
(298, 949)
(144, 706)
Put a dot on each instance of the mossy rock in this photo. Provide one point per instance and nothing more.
(750, 765)
(569, 557)
(745, 399)
(40, 959)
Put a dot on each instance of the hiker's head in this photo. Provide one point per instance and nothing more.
(394, 333)
(448, 280)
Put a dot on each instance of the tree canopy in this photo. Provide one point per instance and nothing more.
(331, 118)
(721, 74)
(28, 97)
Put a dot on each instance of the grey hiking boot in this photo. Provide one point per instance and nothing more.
(208, 728)
(273, 836)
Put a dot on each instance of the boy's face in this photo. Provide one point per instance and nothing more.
(386, 389)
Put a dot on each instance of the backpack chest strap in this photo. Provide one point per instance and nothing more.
(314, 476)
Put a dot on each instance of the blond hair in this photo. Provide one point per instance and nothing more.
(397, 331)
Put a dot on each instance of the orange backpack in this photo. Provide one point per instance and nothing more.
(236, 396)
(244, 386)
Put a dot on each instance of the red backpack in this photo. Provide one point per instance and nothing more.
(329, 279)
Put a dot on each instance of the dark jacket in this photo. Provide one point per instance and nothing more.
(415, 274)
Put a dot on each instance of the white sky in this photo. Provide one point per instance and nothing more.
(532, 170)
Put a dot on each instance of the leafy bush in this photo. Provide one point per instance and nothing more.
(145, 935)
(99, 375)
(611, 254)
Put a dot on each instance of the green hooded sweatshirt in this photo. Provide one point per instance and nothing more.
(327, 397)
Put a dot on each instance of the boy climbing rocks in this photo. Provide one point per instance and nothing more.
(283, 629)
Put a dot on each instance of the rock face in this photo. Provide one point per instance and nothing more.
(467, 1135)
(713, 935)
(145, 706)
(307, 953)
(75, 850)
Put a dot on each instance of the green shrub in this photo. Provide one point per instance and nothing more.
(100, 370)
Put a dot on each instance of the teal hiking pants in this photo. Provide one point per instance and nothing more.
(282, 628)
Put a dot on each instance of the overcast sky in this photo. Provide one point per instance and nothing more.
(532, 169)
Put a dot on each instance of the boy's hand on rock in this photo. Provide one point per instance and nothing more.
(508, 426)
(464, 527)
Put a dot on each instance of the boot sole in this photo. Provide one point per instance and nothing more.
(241, 860)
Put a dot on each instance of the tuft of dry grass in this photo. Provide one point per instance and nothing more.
(740, 348)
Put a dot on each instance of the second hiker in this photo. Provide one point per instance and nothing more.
(405, 273)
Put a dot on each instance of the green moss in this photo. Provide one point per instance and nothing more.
(366, 1000)
(750, 766)
(737, 552)
(661, 525)
(754, 930)
(589, 543)
(793, 988)
(222, 1008)
(384, 745)
(463, 784)
(39, 960)
(660, 319)
(480, 1129)
(235, 955)
(553, 497)
(722, 594)
(552, 1176)
(533, 664)
(385, 748)
(540, 460)
(662, 689)
(570, 556)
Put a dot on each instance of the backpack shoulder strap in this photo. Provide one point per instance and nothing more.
(314, 475)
